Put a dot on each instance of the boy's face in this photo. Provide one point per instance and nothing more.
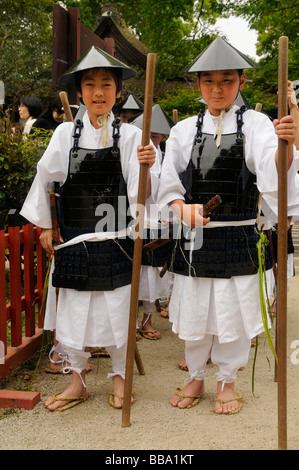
(98, 92)
(126, 114)
(219, 88)
(157, 138)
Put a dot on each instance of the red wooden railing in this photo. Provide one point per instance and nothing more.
(21, 314)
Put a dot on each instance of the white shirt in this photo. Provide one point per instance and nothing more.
(229, 308)
(84, 318)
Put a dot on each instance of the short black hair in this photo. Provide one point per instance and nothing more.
(115, 72)
(33, 104)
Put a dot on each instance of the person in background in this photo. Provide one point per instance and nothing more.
(30, 108)
(51, 118)
(129, 109)
(152, 286)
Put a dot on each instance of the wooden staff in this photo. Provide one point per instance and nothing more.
(282, 247)
(54, 218)
(66, 106)
(138, 244)
(175, 116)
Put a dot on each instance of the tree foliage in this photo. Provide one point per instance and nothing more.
(174, 30)
(271, 19)
(26, 47)
(18, 160)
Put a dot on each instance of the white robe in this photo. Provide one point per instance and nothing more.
(84, 318)
(234, 310)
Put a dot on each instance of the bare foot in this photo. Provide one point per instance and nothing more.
(118, 390)
(191, 391)
(226, 403)
(182, 364)
(76, 389)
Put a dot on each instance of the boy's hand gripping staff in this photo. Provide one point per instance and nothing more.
(138, 244)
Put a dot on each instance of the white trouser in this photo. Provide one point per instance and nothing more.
(148, 307)
(229, 357)
(76, 360)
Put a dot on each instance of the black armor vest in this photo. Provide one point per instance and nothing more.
(222, 171)
(93, 199)
(225, 251)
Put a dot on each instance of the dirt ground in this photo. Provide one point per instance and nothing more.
(155, 424)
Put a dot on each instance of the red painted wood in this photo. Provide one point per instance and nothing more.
(18, 242)
(15, 285)
(3, 329)
(29, 295)
(18, 399)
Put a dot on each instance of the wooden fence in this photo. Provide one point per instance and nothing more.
(23, 265)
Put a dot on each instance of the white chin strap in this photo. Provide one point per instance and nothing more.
(218, 130)
(102, 122)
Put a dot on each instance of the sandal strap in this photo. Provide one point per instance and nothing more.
(182, 395)
(237, 397)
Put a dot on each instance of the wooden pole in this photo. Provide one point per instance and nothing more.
(282, 248)
(66, 106)
(175, 116)
(138, 243)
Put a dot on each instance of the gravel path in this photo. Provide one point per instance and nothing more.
(155, 424)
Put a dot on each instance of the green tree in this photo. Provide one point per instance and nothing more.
(18, 160)
(271, 19)
(26, 47)
(175, 31)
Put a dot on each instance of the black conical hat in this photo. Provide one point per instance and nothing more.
(160, 122)
(93, 58)
(131, 103)
(220, 55)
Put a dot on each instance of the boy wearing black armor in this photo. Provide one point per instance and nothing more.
(215, 306)
(95, 170)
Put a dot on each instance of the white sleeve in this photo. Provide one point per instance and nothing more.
(53, 166)
(178, 151)
(260, 148)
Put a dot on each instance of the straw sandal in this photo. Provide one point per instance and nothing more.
(121, 399)
(99, 352)
(196, 398)
(145, 334)
(237, 397)
(72, 401)
(164, 312)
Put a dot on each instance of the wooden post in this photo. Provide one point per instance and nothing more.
(66, 106)
(175, 116)
(138, 243)
(282, 248)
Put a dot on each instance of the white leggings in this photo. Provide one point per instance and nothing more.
(229, 357)
(76, 360)
(148, 307)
